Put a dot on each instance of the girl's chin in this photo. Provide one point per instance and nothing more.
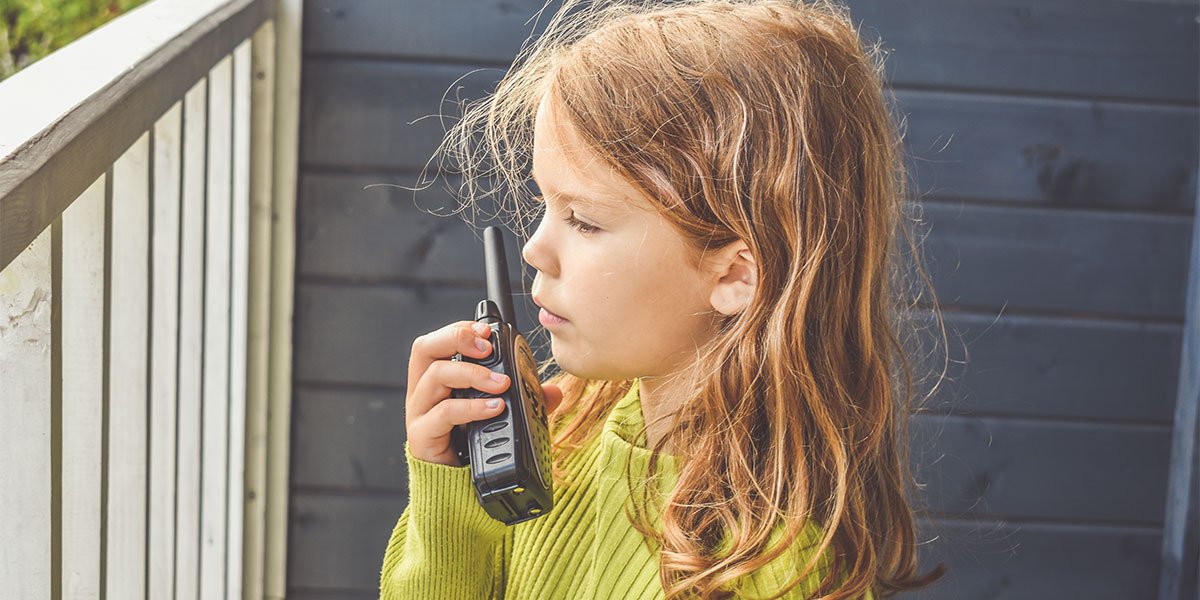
(569, 359)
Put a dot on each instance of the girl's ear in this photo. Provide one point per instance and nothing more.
(737, 276)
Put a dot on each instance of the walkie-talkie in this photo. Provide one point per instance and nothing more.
(509, 453)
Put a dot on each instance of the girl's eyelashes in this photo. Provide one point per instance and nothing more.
(580, 225)
(570, 219)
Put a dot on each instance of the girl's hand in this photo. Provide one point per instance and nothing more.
(430, 412)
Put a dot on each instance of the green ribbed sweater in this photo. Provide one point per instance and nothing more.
(444, 546)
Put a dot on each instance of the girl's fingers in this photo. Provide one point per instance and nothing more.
(460, 337)
(553, 395)
(443, 377)
(434, 427)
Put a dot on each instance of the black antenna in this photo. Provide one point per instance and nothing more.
(496, 269)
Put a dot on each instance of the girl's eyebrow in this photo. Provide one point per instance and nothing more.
(570, 199)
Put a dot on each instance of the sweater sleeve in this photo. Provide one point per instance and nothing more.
(444, 545)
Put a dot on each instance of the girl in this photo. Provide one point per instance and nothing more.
(718, 274)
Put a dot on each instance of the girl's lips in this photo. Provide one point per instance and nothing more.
(550, 319)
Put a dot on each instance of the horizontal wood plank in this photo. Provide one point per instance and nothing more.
(1093, 48)
(349, 438)
(1019, 468)
(362, 27)
(384, 116)
(1055, 367)
(1076, 263)
(1038, 561)
(363, 335)
(1067, 47)
(1050, 152)
(358, 526)
(363, 227)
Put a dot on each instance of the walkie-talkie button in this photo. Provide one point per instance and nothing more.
(500, 441)
(497, 426)
(499, 458)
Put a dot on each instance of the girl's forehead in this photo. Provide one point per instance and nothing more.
(566, 169)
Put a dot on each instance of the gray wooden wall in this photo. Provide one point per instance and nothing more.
(1056, 145)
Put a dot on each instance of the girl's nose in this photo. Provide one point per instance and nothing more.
(530, 252)
(534, 253)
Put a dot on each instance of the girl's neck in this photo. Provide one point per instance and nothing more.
(660, 397)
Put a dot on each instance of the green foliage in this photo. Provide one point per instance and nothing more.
(31, 29)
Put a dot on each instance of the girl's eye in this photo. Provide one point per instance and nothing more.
(580, 225)
(571, 220)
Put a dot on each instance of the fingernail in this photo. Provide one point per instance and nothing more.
(498, 377)
(480, 328)
(493, 403)
(481, 344)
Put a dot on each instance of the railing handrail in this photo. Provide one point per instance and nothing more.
(119, 79)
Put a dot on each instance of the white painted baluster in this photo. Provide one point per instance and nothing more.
(238, 312)
(164, 351)
(215, 467)
(191, 286)
(82, 391)
(25, 426)
(127, 342)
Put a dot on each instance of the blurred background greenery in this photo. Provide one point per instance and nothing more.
(31, 29)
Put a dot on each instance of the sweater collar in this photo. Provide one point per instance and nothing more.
(625, 423)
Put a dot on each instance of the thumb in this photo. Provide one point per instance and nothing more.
(553, 395)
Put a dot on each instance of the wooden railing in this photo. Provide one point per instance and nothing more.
(146, 215)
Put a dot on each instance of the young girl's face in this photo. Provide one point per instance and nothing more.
(611, 267)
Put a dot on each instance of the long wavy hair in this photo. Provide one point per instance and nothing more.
(763, 121)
